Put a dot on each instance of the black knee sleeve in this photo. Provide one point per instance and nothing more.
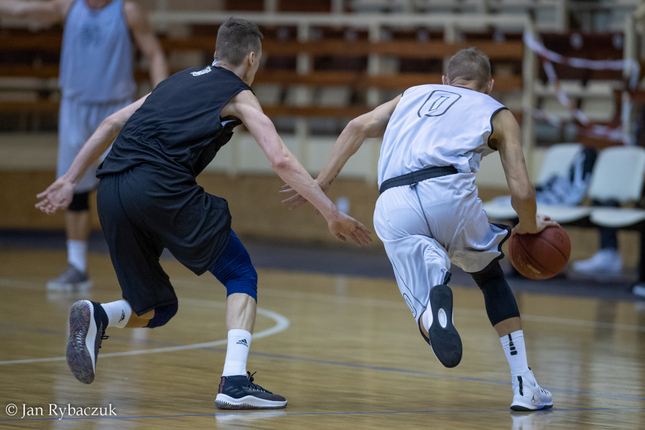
(498, 296)
(163, 314)
(80, 202)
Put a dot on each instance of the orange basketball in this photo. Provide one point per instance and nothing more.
(542, 255)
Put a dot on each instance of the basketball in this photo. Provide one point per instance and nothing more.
(542, 255)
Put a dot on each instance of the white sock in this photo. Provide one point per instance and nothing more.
(426, 318)
(118, 313)
(77, 254)
(237, 352)
(515, 351)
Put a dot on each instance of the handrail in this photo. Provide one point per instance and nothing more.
(520, 21)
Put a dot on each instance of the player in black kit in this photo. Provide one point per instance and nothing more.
(148, 200)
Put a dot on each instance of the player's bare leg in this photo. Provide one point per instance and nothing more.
(510, 325)
(140, 321)
(236, 389)
(240, 312)
(77, 225)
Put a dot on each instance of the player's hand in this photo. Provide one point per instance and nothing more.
(541, 222)
(343, 226)
(291, 197)
(294, 199)
(57, 196)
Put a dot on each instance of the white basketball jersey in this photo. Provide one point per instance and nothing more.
(437, 125)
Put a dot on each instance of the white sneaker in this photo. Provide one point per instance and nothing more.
(604, 262)
(71, 280)
(528, 395)
(639, 289)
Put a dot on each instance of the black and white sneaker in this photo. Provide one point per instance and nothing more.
(444, 339)
(87, 323)
(239, 392)
(528, 395)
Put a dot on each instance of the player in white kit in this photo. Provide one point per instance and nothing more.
(429, 215)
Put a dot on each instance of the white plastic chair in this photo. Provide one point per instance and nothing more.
(619, 178)
(622, 180)
(617, 175)
(557, 161)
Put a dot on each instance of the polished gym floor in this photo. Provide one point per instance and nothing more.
(332, 335)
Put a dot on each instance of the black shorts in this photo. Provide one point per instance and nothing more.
(145, 210)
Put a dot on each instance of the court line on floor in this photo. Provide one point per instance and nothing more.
(254, 415)
(416, 372)
(282, 323)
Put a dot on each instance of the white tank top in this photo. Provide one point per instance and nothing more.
(96, 62)
(437, 125)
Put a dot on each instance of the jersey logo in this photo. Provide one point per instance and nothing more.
(90, 36)
(205, 70)
(438, 103)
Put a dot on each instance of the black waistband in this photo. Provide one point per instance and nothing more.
(418, 176)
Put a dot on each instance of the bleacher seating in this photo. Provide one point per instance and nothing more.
(337, 76)
(335, 67)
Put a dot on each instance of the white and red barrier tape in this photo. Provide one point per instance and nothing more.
(631, 70)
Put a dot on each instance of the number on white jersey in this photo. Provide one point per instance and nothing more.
(438, 103)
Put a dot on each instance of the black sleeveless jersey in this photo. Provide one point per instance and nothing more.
(179, 126)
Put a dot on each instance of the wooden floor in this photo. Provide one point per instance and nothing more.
(344, 351)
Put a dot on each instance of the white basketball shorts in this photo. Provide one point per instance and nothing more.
(427, 227)
(76, 123)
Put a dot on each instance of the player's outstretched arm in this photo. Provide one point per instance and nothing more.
(147, 42)
(40, 12)
(246, 107)
(506, 138)
(59, 194)
(371, 124)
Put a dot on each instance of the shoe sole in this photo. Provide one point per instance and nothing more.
(445, 341)
(82, 335)
(525, 407)
(222, 401)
